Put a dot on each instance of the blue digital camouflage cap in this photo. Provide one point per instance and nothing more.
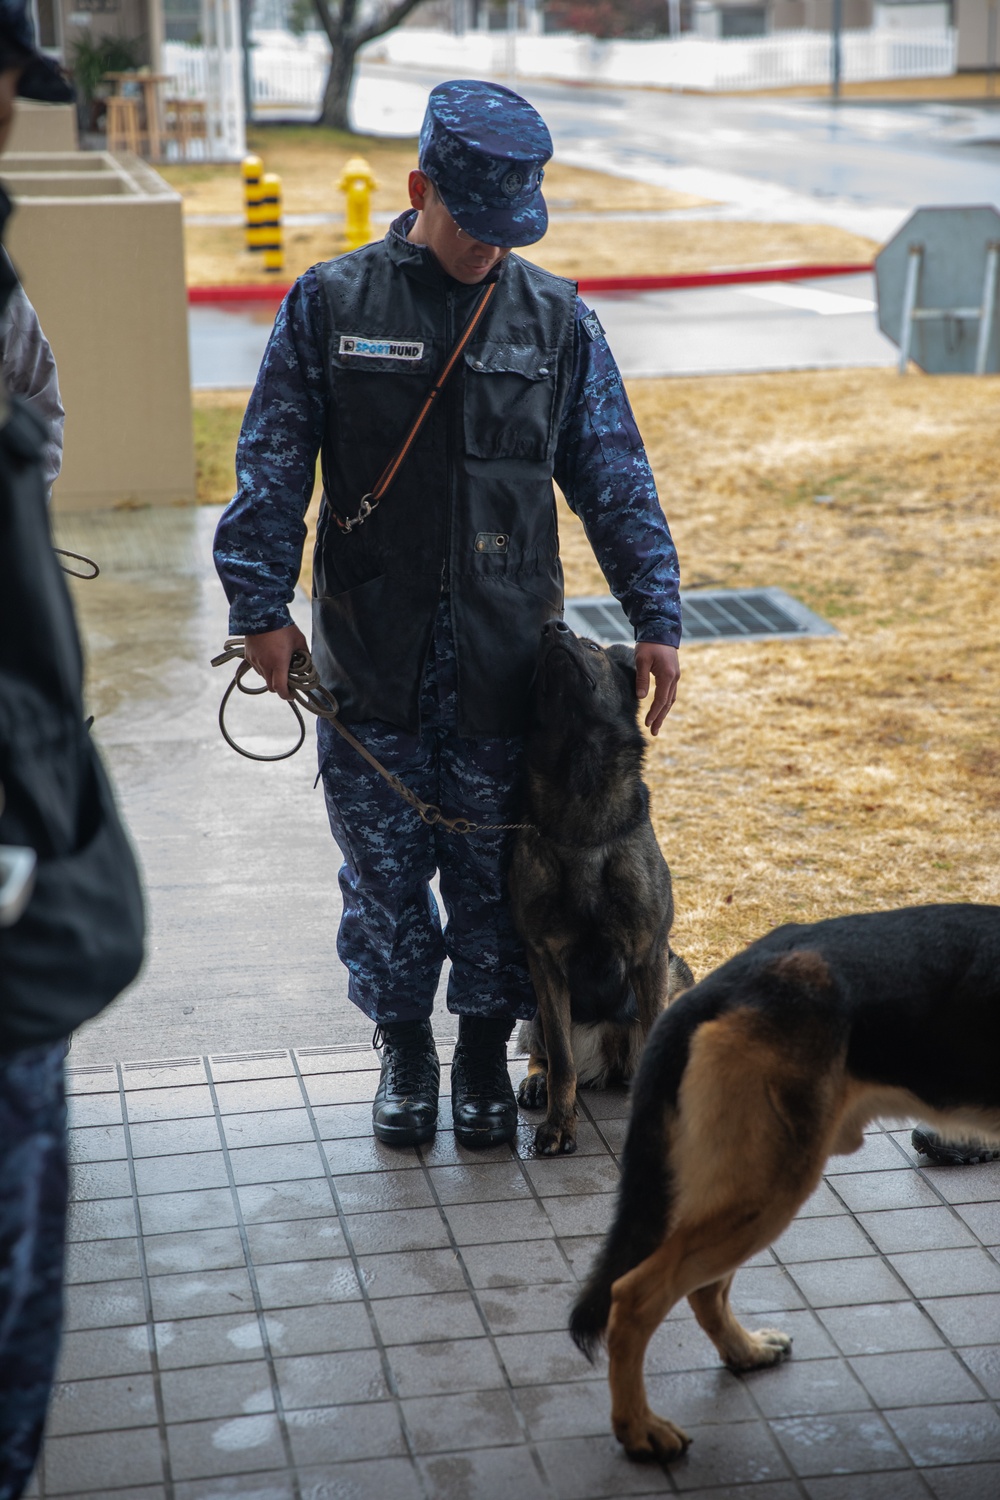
(485, 149)
(42, 77)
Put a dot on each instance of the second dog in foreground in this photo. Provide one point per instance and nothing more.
(748, 1083)
(590, 890)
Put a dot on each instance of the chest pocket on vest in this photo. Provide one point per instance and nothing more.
(509, 395)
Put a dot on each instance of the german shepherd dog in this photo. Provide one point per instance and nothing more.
(748, 1083)
(590, 890)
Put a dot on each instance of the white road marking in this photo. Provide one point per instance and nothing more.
(809, 299)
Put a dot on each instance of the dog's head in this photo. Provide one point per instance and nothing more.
(578, 680)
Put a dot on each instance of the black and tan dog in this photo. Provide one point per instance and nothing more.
(748, 1083)
(590, 890)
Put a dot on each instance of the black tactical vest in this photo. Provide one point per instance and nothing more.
(472, 510)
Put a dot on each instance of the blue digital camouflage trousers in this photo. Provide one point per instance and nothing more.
(33, 1185)
(391, 939)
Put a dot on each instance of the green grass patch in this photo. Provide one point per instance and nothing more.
(216, 429)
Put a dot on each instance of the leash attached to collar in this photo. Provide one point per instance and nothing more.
(388, 474)
(308, 692)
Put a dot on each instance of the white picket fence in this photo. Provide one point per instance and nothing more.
(689, 62)
(290, 71)
(284, 69)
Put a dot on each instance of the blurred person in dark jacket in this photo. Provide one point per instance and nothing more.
(28, 369)
(71, 920)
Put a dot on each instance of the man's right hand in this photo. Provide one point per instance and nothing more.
(270, 654)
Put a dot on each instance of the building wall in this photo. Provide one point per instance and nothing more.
(723, 18)
(787, 15)
(99, 18)
(978, 42)
(856, 15)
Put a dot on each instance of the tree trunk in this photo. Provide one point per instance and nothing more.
(346, 38)
(337, 93)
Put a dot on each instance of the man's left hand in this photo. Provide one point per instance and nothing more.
(662, 664)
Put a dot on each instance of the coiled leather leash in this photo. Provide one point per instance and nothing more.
(309, 693)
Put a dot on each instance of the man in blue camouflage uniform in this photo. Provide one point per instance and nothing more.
(427, 616)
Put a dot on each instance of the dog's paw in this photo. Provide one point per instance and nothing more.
(765, 1346)
(554, 1139)
(533, 1092)
(652, 1439)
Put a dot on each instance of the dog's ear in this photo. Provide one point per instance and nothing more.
(623, 658)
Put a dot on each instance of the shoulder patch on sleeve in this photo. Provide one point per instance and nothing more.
(592, 326)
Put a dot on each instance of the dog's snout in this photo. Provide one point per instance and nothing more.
(556, 627)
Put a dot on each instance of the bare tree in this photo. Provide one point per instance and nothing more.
(341, 22)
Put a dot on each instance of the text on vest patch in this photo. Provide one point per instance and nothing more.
(379, 348)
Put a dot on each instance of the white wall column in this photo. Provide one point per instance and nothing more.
(154, 21)
(224, 103)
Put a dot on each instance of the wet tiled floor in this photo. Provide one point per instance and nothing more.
(264, 1303)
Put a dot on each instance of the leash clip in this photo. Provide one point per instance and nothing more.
(368, 504)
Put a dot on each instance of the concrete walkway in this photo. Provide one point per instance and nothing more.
(239, 863)
(265, 1304)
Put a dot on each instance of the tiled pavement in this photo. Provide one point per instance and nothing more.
(265, 1304)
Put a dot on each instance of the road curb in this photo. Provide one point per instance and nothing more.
(273, 292)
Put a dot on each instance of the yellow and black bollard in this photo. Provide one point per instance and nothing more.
(253, 171)
(272, 236)
(357, 181)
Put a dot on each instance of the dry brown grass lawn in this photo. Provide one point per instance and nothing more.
(215, 254)
(800, 780)
(310, 161)
(969, 86)
(593, 249)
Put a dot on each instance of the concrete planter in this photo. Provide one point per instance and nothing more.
(98, 242)
(43, 127)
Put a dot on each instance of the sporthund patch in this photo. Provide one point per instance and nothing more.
(748, 1083)
(356, 343)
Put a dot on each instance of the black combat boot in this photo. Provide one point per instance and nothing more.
(482, 1097)
(952, 1151)
(406, 1102)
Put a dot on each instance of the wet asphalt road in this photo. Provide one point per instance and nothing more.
(855, 163)
(855, 154)
(861, 166)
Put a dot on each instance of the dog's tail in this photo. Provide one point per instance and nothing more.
(645, 1194)
(679, 976)
(639, 1227)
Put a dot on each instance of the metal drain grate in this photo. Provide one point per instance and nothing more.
(709, 615)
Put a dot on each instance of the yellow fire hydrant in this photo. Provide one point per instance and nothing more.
(357, 181)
